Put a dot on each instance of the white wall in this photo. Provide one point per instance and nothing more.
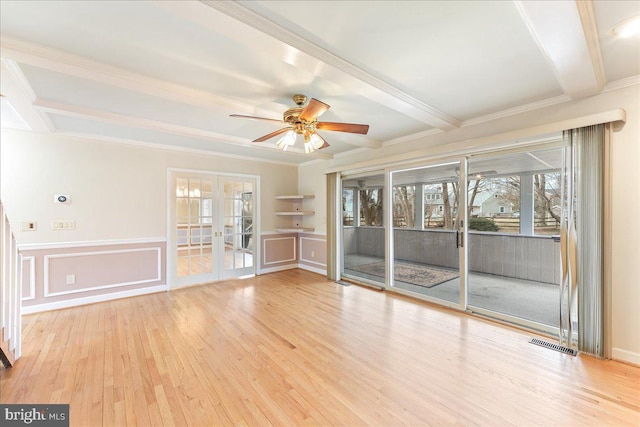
(625, 193)
(313, 181)
(117, 191)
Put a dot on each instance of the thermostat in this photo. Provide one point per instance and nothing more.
(62, 198)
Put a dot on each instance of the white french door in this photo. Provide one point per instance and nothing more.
(211, 227)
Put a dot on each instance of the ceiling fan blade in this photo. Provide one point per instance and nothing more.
(325, 144)
(242, 116)
(272, 134)
(313, 110)
(343, 127)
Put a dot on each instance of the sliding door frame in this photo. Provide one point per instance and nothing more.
(463, 159)
(461, 227)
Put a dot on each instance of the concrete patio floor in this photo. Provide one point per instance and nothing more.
(525, 299)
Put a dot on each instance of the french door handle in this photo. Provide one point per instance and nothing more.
(459, 239)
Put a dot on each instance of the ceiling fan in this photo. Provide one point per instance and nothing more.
(303, 120)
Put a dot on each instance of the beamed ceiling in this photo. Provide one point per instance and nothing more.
(168, 74)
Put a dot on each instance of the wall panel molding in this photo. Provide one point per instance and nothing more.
(266, 253)
(32, 277)
(48, 259)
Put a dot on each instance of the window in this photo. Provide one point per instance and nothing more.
(501, 209)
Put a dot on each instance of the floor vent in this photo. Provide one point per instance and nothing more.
(340, 282)
(552, 346)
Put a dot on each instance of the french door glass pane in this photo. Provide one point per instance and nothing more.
(514, 250)
(194, 221)
(238, 223)
(426, 220)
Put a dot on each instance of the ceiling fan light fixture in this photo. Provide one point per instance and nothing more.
(316, 141)
(288, 139)
(308, 147)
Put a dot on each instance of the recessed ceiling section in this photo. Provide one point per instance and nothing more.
(100, 97)
(465, 58)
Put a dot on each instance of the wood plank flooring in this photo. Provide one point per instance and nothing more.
(291, 348)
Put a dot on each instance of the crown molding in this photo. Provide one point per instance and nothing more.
(517, 110)
(412, 137)
(622, 83)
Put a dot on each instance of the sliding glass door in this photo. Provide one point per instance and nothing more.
(427, 238)
(363, 251)
(514, 226)
(479, 233)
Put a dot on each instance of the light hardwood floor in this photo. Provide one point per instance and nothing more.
(291, 348)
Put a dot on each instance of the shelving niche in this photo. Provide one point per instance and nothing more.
(294, 209)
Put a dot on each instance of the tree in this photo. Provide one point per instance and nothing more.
(545, 194)
(404, 205)
(371, 206)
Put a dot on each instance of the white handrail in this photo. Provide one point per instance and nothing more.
(10, 289)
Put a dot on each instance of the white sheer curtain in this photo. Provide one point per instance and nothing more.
(582, 239)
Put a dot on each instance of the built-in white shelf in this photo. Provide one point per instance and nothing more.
(294, 229)
(295, 213)
(296, 197)
(295, 209)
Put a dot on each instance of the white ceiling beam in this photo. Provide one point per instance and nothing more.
(21, 96)
(174, 129)
(566, 33)
(311, 57)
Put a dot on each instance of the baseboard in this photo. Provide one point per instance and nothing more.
(293, 266)
(91, 300)
(279, 268)
(625, 356)
(312, 269)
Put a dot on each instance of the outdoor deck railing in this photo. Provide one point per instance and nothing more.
(534, 258)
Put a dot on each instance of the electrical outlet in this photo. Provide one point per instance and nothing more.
(71, 279)
(29, 226)
(313, 254)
